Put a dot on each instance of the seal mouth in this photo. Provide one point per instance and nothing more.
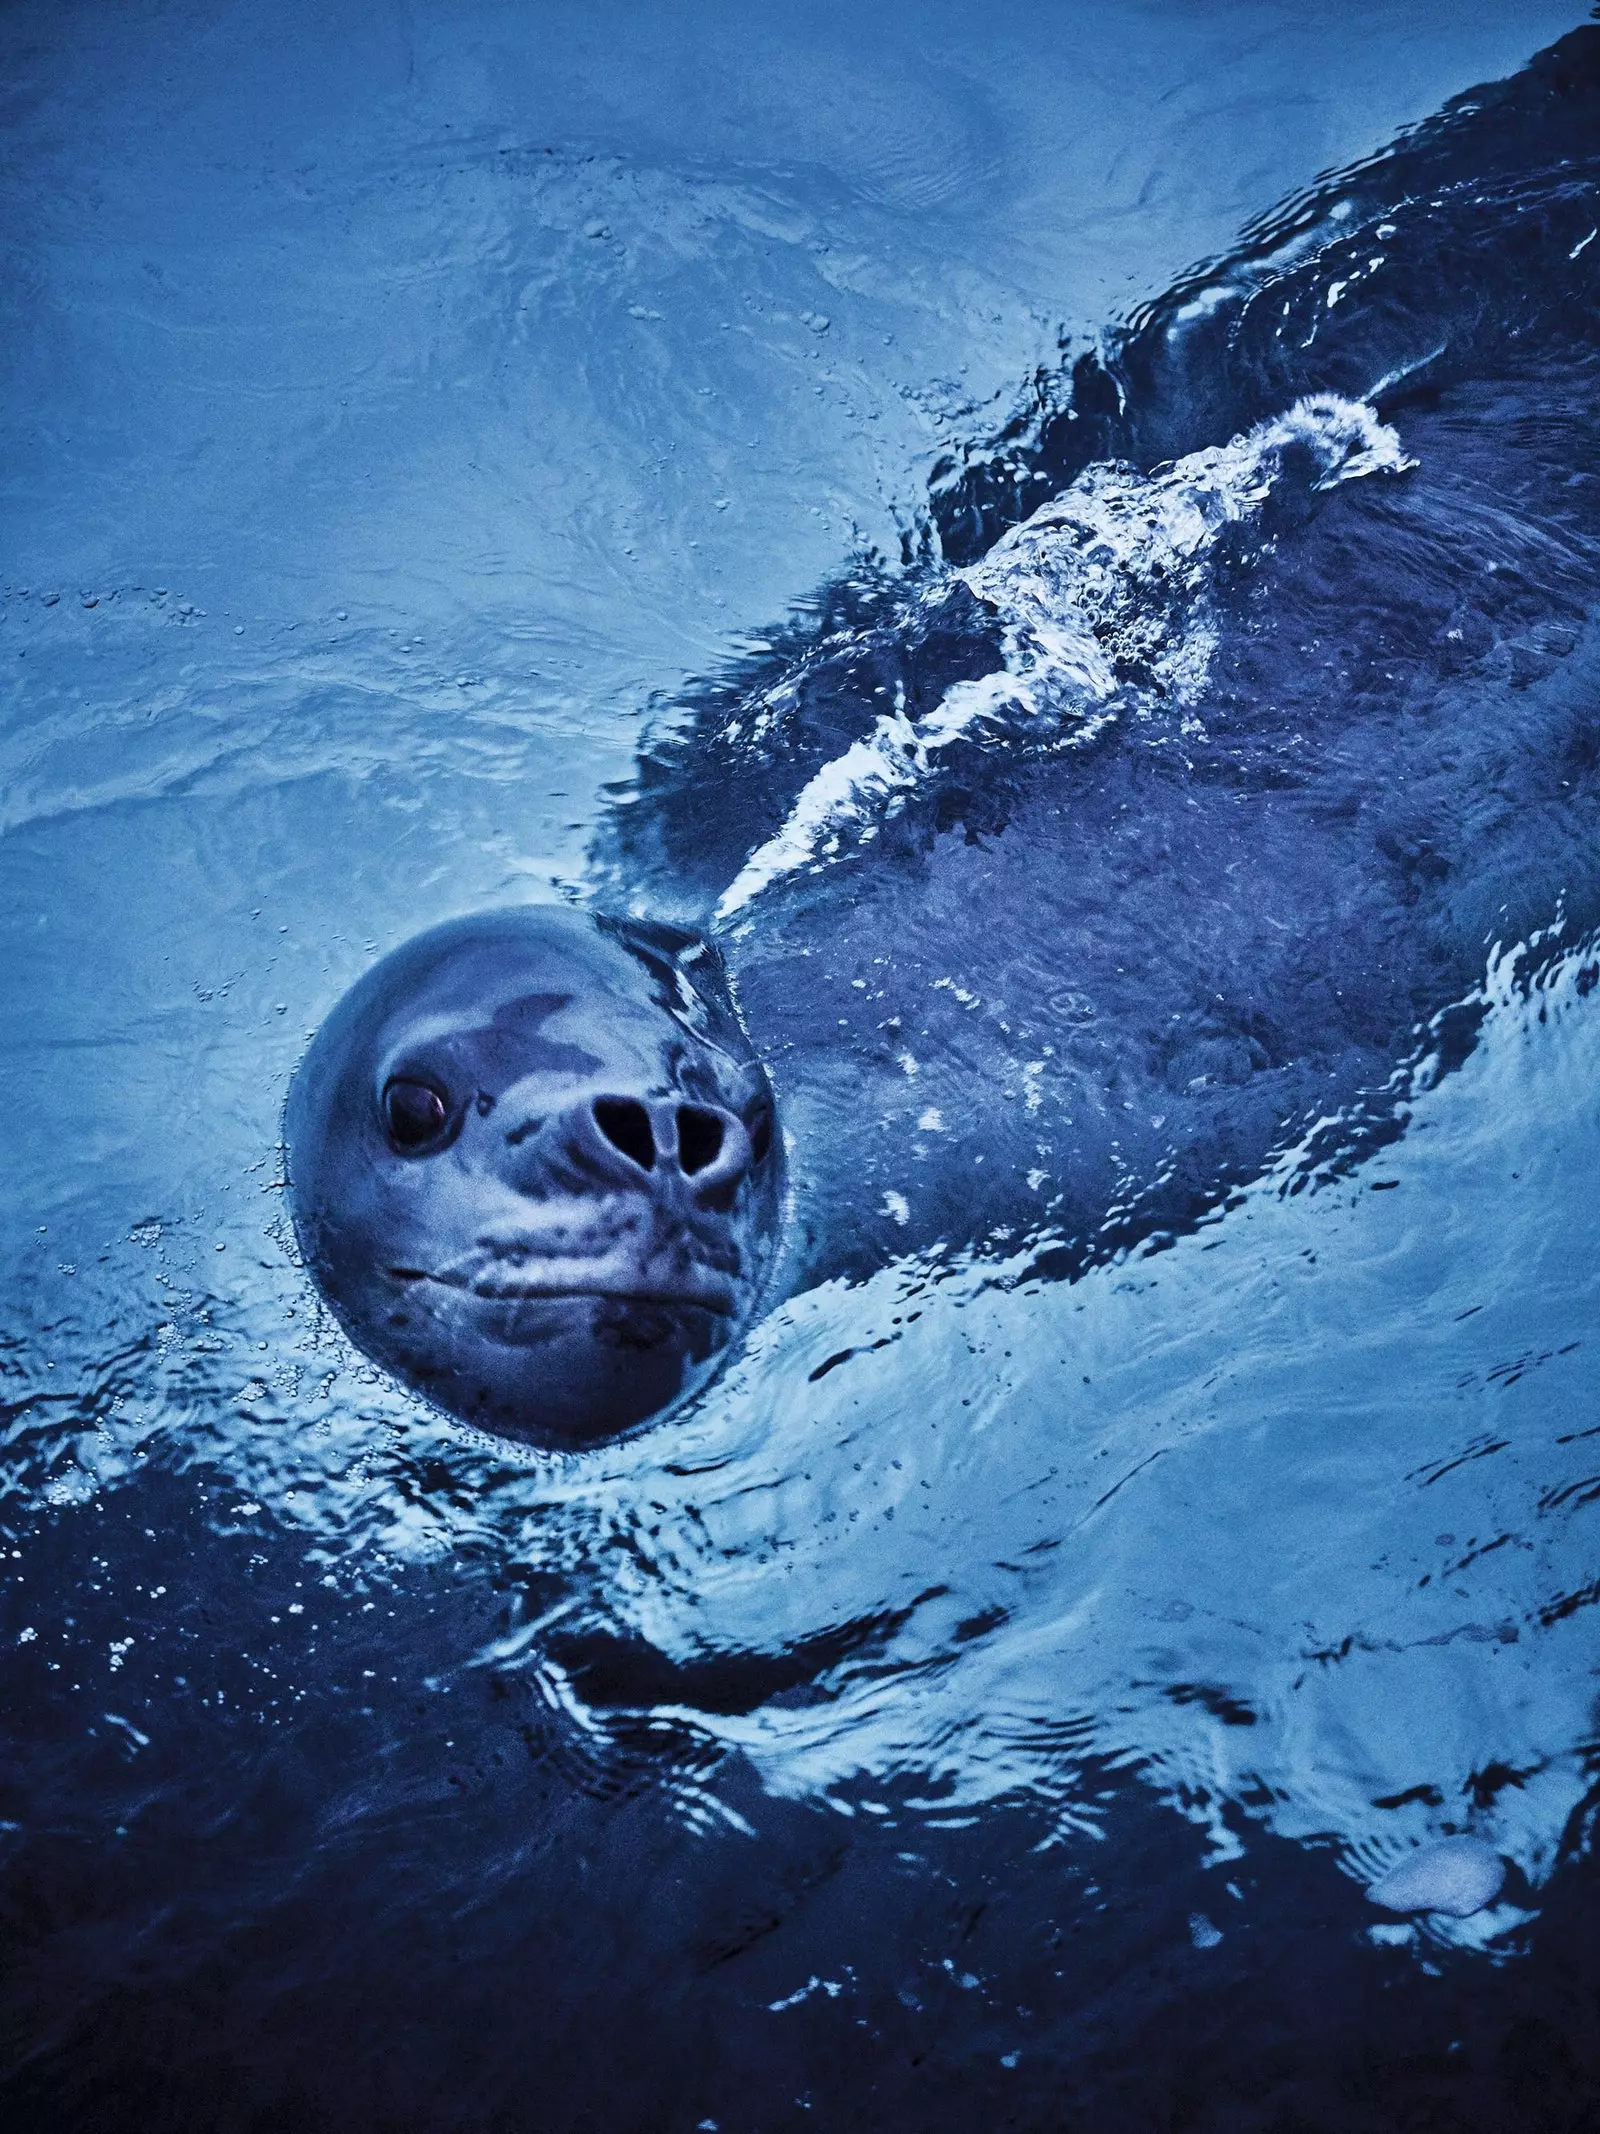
(714, 1294)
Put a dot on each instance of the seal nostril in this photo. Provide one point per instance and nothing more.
(626, 1125)
(699, 1138)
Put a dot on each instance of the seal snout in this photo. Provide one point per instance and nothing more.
(693, 1135)
(660, 1146)
(701, 1142)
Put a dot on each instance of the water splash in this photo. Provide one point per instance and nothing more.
(1104, 598)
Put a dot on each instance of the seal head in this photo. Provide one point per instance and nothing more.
(534, 1169)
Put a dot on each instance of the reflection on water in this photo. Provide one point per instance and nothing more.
(921, 1713)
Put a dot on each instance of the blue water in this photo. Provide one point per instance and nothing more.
(407, 408)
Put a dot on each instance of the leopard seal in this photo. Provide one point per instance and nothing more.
(533, 1169)
(1153, 833)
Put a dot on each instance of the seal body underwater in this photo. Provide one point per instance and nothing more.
(1064, 888)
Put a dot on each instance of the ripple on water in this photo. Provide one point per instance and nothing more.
(1290, 1517)
(1295, 1519)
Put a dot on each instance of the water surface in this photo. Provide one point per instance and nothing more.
(995, 1696)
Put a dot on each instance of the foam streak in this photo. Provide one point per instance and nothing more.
(1104, 599)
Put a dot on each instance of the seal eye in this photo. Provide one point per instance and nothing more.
(415, 1114)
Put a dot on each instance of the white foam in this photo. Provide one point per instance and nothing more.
(1104, 601)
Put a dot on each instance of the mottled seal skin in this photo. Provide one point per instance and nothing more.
(534, 1170)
